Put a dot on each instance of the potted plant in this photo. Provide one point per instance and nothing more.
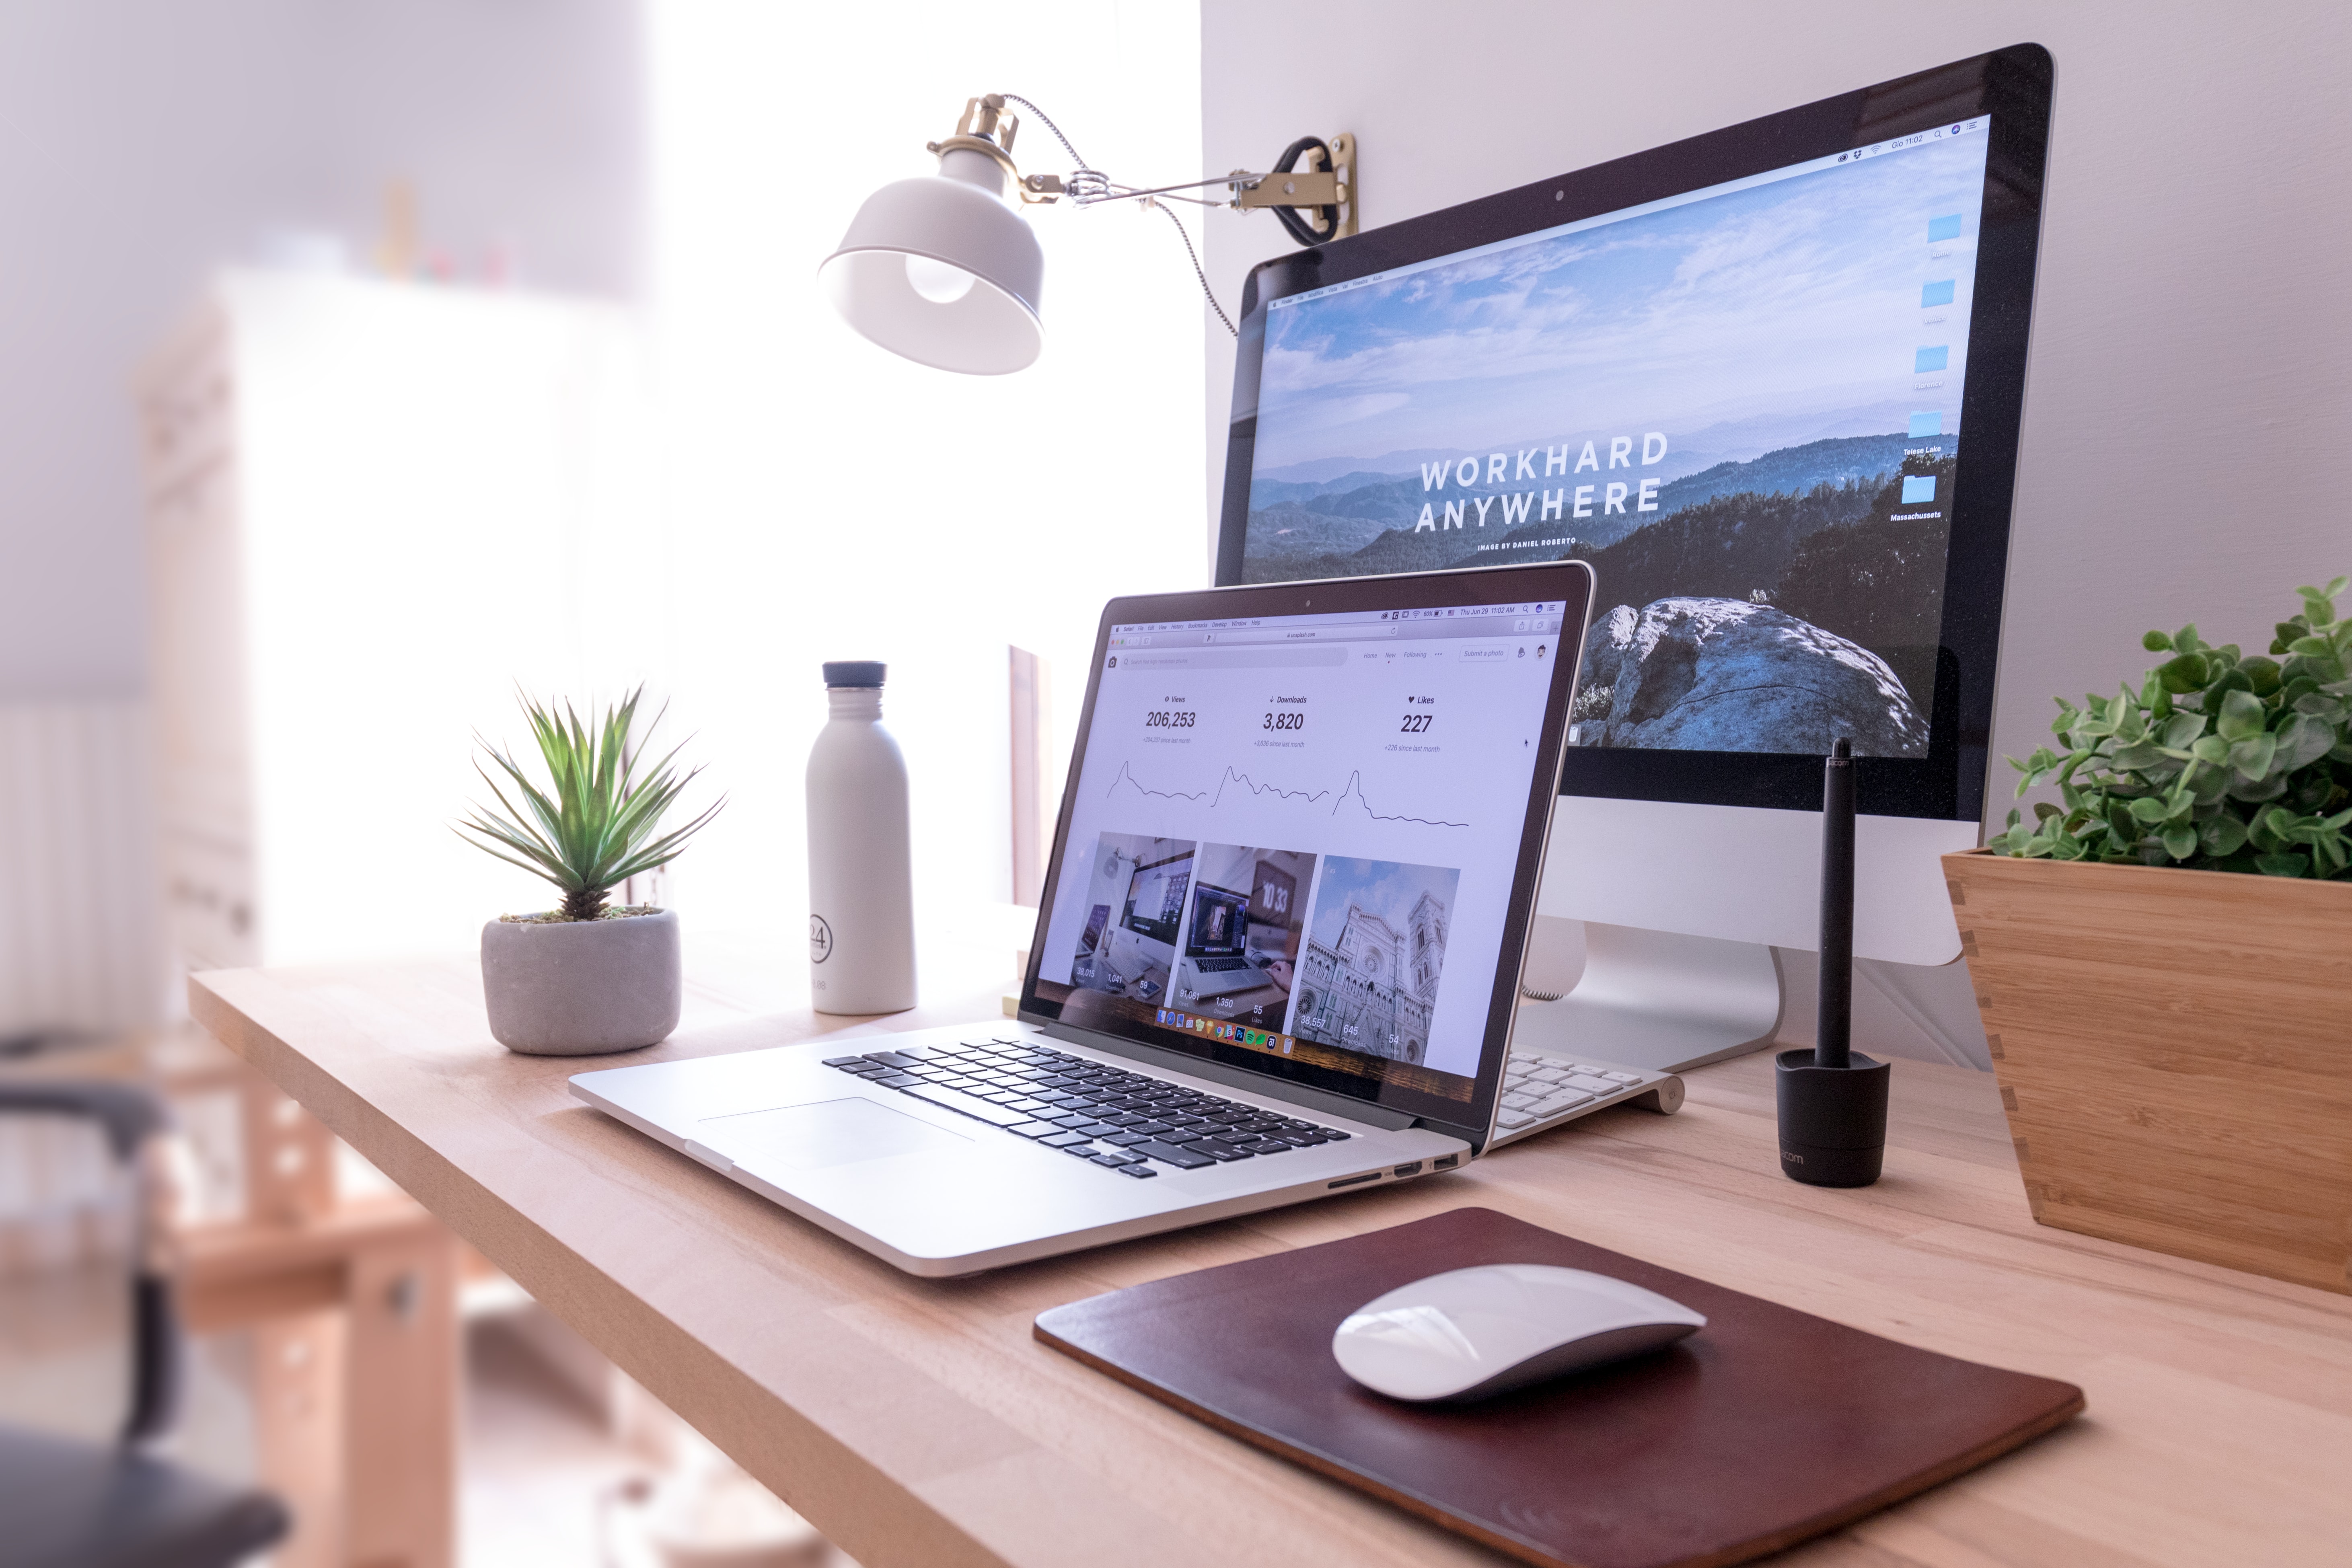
(2163, 955)
(588, 976)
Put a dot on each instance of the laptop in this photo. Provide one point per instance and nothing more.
(1218, 961)
(1359, 774)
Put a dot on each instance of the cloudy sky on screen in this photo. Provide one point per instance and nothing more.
(1792, 298)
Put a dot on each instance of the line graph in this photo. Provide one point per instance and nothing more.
(1353, 789)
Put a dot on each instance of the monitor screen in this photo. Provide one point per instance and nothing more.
(1767, 382)
(1220, 923)
(1155, 897)
(1742, 405)
(1347, 796)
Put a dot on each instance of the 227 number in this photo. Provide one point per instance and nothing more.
(1414, 723)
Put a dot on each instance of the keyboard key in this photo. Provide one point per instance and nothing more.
(893, 1079)
(1152, 1129)
(891, 1058)
(1518, 1100)
(842, 1061)
(1063, 1140)
(1512, 1120)
(1125, 1140)
(1590, 1085)
(1183, 1159)
(1112, 1160)
(1567, 1099)
(1182, 1135)
(1083, 1149)
(956, 1100)
(1138, 1170)
(1215, 1150)
(1621, 1076)
(1035, 1129)
(1097, 1129)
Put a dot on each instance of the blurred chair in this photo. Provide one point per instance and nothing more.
(65, 1504)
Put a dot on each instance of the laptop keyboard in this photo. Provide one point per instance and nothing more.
(1222, 965)
(1113, 1117)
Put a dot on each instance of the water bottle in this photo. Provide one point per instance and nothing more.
(861, 873)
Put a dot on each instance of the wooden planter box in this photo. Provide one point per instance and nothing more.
(2175, 1054)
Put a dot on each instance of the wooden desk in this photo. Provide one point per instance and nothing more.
(919, 1425)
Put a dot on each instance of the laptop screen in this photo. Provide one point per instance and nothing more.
(1220, 923)
(1312, 824)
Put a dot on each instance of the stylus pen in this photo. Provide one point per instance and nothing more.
(1834, 1035)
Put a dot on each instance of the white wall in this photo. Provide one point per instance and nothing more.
(2189, 380)
(832, 501)
(144, 142)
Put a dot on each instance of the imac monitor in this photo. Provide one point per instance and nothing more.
(1767, 383)
(1155, 899)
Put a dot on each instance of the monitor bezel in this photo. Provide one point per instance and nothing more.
(2013, 88)
(1570, 581)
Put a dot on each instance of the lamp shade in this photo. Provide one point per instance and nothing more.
(941, 270)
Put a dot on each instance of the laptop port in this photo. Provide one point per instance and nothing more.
(1355, 1180)
(1411, 1170)
(1446, 1164)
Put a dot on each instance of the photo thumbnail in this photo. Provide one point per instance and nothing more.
(1241, 947)
(1135, 907)
(1375, 950)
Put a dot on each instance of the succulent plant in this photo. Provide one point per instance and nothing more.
(2217, 761)
(596, 828)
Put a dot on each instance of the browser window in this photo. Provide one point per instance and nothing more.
(1297, 835)
(1741, 404)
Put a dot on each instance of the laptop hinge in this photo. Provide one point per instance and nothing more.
(1218, 1072)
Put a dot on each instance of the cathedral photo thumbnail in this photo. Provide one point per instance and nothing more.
(1375, 950)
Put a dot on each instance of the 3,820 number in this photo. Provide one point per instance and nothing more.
(1284, 721)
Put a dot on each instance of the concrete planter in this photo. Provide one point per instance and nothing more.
(2170, 1047)
(581, 988)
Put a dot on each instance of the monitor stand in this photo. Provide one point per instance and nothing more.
(1659, 1001)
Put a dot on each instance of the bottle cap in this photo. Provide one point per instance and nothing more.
(854, 673)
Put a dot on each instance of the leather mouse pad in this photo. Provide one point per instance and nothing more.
(1766, 1427)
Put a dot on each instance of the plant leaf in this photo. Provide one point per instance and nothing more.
(2224, 836)
(2242, 716)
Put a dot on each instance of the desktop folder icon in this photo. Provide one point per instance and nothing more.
(1931, 358)
(1945, 227)
(1934, 294)
(1918, 489)
(1927, 422)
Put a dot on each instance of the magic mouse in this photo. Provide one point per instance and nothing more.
(1473, 1332)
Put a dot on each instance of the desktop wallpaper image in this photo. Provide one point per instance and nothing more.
(1753, 401)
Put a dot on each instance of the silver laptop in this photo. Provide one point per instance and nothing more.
(1345, 788)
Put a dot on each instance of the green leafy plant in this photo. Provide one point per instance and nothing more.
(595, 829)
(2217, 762)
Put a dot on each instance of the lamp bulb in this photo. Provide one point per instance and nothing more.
(938, 281)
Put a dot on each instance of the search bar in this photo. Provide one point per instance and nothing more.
(1301, 634)
(1236, 658)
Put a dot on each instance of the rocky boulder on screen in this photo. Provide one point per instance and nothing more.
(1730, 675)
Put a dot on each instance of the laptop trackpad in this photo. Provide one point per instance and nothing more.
(830, 1132)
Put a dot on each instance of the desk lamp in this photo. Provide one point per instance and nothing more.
(943, 269)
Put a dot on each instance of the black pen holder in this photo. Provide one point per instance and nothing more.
(1832, 1119)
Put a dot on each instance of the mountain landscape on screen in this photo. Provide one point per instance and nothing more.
(1810, 532)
